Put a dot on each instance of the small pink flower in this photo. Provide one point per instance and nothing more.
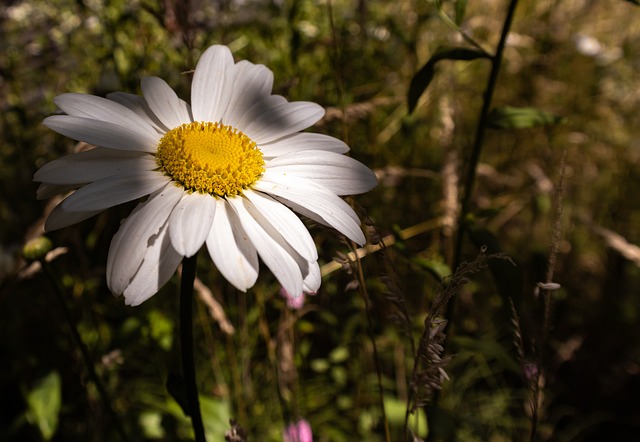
(294, 302)
(298, 432)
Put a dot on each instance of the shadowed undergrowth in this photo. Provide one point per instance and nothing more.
(554, 201)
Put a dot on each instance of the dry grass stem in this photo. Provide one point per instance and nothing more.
(429, 373)
(215, 308)
(357, 111)
(386, 241)
(619, 243)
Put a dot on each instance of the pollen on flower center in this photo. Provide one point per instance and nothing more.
(210, 158)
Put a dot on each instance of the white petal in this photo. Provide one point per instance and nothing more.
(303, 141)
(158, 266)
(190, 222)
(98, 108)
(100, 133)
(212, 83)
(313, 279)
(340, 174)
(129, 244)
(92, 165)
(319, 204)
(285, 222)
(310, 273)
(282, 120)
(46, 190)
(252, 83)
(114, 190)
(273, 252)
(164, 102)
(139, 105)
(260, 107)
(59, 218)
(230, 249)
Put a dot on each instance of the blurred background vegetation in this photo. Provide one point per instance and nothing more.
(263, 364)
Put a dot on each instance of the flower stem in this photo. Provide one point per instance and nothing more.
(186, 345)
(84, 351)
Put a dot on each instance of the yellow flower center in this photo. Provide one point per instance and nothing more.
(210, 158)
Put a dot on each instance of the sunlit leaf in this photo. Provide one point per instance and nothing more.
(423, 77)
(436, 266)
(395, 409)
(151, 424)
(215, 412)
(510, 117)
(319, 365)
(339, 354)
(215, 417)
(161, 329)
(44, 402)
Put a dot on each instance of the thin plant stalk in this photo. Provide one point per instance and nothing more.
(84, 351)
(271, 344)
(555, 243)
(186, 345)
(237, 391)
(376, 359)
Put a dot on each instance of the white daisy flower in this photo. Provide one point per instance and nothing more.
(224, 171)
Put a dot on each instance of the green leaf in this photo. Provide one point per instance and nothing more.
(423, 77)
(161, 329)
(216, 414)
(396, 409)
(319, 365)
(339, 354)
(151, 423)
(44, 402)
(510, 117)
(436, 266)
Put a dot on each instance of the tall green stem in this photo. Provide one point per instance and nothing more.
(186, 345)
(474, 159)
(496, 61)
